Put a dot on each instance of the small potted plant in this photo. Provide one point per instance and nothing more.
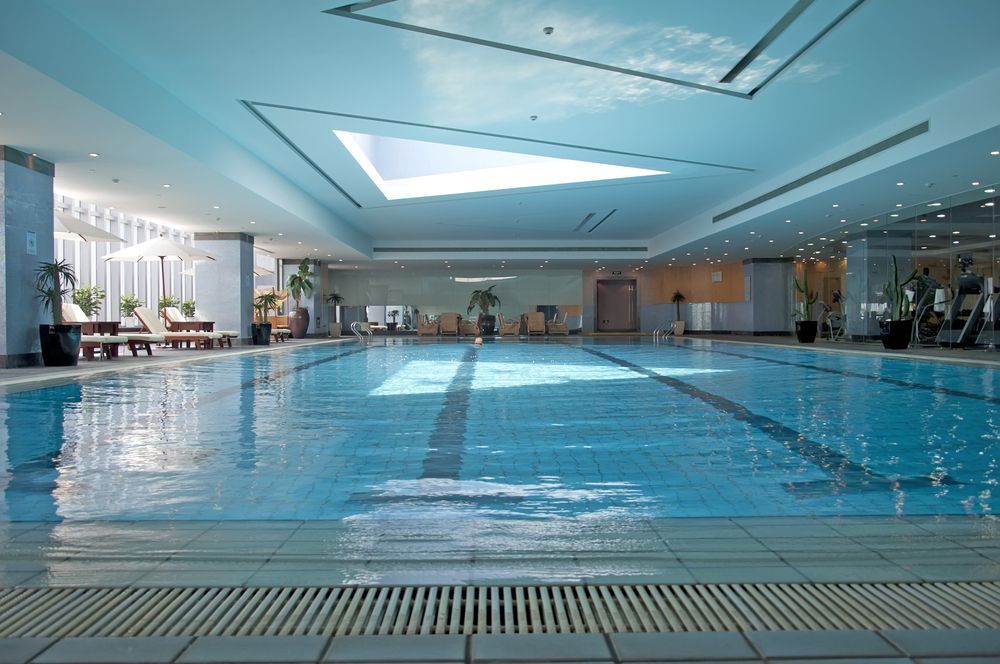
(127, 306)
(805, 326)
(89, 299)
(335, 299)
(391, 326)
(898, 327)
(169, 301)
(300, 284)
(188, 309)
(677, 298)
(60, 343)
(483, 299)
(260, 332)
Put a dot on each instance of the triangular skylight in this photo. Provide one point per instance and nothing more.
(405, 168)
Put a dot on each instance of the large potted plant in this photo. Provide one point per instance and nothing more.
(805, 326)
(260, 332)
(60, 343)
(391, 325)
(127, 306)
(300, 284)
(483, 299)
(677, 298)
(898, 328)
(335, 299)
(188, 309)
(89, 299)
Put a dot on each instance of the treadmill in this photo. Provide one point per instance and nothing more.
(989, 335)
(959, 328)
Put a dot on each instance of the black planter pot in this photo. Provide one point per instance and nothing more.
(260, 334)
(487, 325)
(896, 334)
(805, 331)
(391, 327)
(298, 322)
(60, 345)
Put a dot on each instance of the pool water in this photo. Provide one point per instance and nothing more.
(587, 428)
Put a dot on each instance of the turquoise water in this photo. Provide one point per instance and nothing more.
(525, 430)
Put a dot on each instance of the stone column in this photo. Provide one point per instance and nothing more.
(25, 241)
(768, 283)
(223, 288)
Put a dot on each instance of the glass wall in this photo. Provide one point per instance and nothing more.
(951, 243)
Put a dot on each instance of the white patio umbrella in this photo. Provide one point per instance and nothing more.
(160, 249)
(67, 227)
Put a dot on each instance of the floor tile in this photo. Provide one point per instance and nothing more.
(19, 651)
(396, 649)
(191, 578)
(680, 646)
(213, 649)
(816, 643)
(749, 574)
(985, 572)
(945, 642)
(539, 647)
(860, 572)
(11, 578)
(139, 650)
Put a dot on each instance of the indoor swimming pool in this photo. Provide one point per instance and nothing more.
(583, 429)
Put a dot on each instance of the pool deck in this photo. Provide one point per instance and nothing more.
(695, 552)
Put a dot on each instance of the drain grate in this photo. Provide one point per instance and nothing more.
(387, 610)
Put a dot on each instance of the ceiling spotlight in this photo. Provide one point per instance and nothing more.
(166, 186)
(989, 191)
(788, 221)
(252, 222)
(94, 154)
(975, 184)
(836, 205)
(280, 234)
(995, 152)
(900, 184)
(215, 207)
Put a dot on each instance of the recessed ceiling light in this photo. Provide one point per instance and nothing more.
(843, 221)
(300, 243)
(836, 205)
(955, 232)
(253, 222)
(280, 234)
(995, 152)
(989, 191)
(329, 255)
(746, 248)
(340, 260)
(993, 236)
(864, 224)
(166, 186)
(923, 247)
(215, 207)
(753, 232)
(900, 184)
(94, 154)
(990, 204)
(802, 232)
(771, 241)
(942, 215)
(932, 236)
(899, 205)
(788, 221)
(975, 184)
(893, 215)
(955, 242)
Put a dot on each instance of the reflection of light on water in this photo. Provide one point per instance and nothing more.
(439, 487)
(418, 377)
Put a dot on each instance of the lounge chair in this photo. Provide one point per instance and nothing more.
(174, 315)
(448, 323)
(72, 313)
(557, 325)
(152, 323)
(469, 328)
(427, 327)
(534, 323)
(279, 328)
(508, 328)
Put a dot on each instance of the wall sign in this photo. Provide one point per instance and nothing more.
(32, 243)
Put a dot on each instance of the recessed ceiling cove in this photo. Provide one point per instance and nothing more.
(378, 162)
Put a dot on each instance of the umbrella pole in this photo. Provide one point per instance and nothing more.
(163, 287)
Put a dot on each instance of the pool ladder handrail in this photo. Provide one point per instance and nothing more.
(662, 331)
(357, 329)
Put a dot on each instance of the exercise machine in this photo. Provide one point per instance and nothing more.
(960, 325)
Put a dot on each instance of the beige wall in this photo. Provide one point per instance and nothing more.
(695, 283)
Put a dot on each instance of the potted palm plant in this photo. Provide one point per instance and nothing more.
(898, 328)
(677, 298)
(89, 299)
(483, 299)
(60, 343)
(335, 299)
(127, 306)
(260, 332)
(805, 326)
(300, 284)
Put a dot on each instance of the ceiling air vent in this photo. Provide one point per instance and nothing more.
(881, 146)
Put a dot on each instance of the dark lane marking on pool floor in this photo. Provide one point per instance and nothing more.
(839, 466)
(850, 374)
(447, 439)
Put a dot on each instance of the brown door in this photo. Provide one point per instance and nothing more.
(616, 311)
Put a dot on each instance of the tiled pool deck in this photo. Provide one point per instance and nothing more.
(648, 551)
